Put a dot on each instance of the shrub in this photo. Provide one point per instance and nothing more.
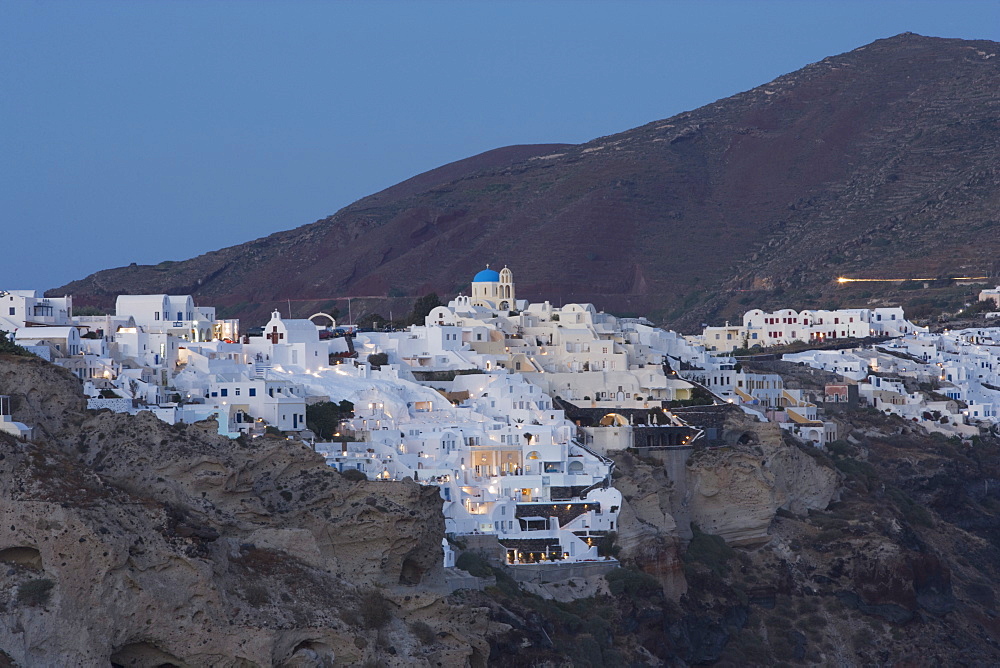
(606, 546)
(378, 359)
(324, 417)
(354, 475)
(9, 347)
(842, 448)
(910, 509)
(424, 633)
(35, 592)
(374, 610)
(473, 563)
(709, 550)
(422, 308)
(632, 583)
(859, 470)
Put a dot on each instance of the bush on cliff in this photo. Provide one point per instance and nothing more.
(9, 347)
(632, 583)
(708, 549)
(35, 592)
(354, 475)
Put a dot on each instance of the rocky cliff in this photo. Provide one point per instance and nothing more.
(130, 541)
(880, 551)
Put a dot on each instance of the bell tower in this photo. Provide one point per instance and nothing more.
(506, 299)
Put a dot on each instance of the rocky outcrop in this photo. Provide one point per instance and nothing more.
(734, 492)
(647, 531)
(131, 541)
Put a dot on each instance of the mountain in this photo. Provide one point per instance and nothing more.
(877, 163)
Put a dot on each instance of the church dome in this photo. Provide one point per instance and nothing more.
(486, 276)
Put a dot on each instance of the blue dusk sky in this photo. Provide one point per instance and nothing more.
(151, 131)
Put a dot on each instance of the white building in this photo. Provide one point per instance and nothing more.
(26, 308)
(991, 294)
(785, 326)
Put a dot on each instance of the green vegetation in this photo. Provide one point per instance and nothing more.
(89, 310)
(371, 321)
(709, 550)
(913, 512)
(422, 308)
(9, 347)
(354, 475)
(378, 359)
(324, 418)
(473, 563)
(632, 583)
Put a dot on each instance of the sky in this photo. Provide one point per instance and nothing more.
(149, 131)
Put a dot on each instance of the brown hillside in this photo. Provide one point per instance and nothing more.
(877, 162)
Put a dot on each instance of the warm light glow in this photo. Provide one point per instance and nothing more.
(844, 279)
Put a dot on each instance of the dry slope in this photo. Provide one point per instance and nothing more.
(855, 165)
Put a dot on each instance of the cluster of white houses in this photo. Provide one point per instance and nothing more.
(960, 367)
(469, 401)
(763, 329)
(475, 399)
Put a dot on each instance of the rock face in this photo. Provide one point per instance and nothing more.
(647, 531)
(852, 165)
(735, 492)
(129, 542)
(732, 492)
(132, 541)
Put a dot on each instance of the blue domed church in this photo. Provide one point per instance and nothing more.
(494, 290)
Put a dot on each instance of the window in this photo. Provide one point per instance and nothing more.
(224, 392)
(13, 310)
(180, 316)
(156, 315)
(237, 391)
(253, 391)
